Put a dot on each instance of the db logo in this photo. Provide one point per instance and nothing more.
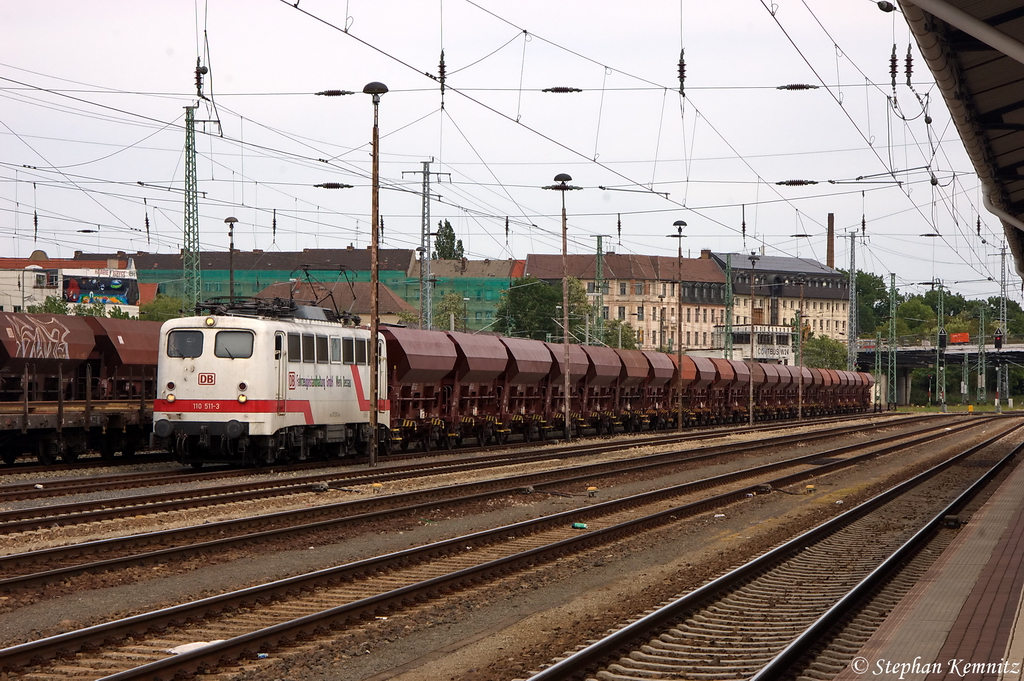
(292, 382)
(207, 379)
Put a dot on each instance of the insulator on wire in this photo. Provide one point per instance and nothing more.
(335, 93)
(440, 72)
(892, 66)
(35, 226)
(682, 71)
(620, 228)
(796, 183)
(561, 89)
(797, 86)
(909, 65)
(380, 234)
(506, 230)
(979, 225)
(200, 72)
(273, 228)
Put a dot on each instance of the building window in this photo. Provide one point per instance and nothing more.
(705, 341)
(654, 314)
(638, 289)
(687, 337)
(622, 312)
(640, 313)
(604, 312)
(590, 287)
(622, 288)
(705, 316)
(664, 287)
(687, 315)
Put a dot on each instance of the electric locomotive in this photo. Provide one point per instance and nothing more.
(265, 381)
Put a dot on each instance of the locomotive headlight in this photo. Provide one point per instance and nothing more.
(170, 385)
(242, 399)
(242, 386)
(170, 397)
(210, 321)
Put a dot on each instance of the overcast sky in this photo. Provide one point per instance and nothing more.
(94, 98)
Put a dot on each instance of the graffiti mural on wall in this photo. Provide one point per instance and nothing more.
(38, 339)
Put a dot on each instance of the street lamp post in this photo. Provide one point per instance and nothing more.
(230, 222)
(679, 224)
(753, 338)
(563, 179)
(375, 90)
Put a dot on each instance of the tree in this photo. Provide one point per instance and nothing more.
(52, 305)
(530, 308)
(161, 308)
(527, 307)
(612, 329)
(822, 352)
(447, 305)
(446, 246)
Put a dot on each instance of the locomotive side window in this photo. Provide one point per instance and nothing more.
(278, 342)
(308, 348)
(294, 347)
(360, 350)
(233, 344)
(335, 350)
(185, 344)
(349, 346)
(321, 350)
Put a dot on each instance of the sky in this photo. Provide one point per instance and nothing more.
(92, 130)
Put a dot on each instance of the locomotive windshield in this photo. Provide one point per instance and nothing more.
(233, 344)
(185, 344)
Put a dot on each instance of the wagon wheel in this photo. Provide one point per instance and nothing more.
(69, 455)
(46, 452)
(527, 433)
(9, 457)
(449, 441)
(428, 442)
(502, 437)
(404, 444)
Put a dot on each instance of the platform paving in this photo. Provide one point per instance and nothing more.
(964, 619)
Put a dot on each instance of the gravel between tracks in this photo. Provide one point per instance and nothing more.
(494, 633)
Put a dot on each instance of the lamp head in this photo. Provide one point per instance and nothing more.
(376, 89)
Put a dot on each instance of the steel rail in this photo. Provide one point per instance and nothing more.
(363, 510)
(33, 652)
(583, 663)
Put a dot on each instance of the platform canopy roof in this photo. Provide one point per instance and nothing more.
(975, 51)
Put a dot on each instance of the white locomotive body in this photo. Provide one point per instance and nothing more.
(265, 387)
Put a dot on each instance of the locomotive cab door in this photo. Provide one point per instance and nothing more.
(281, 371)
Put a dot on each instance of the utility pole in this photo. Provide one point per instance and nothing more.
(982, 369)
(727, 346)
(851, 324)
(426, 288)
(192, 289)
(599, 290)
(893, 343)
(1002, 379)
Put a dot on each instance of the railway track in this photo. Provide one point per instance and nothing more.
(107, 508)
(36, 568)
(764, 617)
(283, 613)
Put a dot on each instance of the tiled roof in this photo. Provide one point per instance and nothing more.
(353, 297)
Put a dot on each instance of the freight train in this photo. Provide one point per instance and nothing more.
(69, 385)
(271, 380)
